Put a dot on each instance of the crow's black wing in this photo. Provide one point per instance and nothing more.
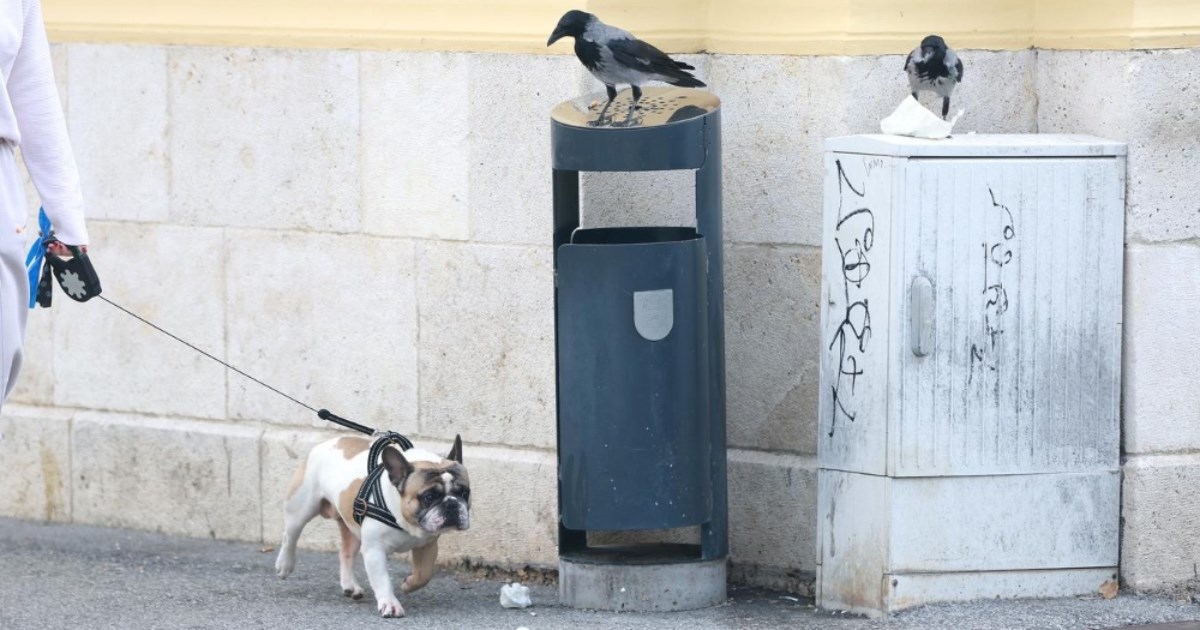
(640, 56)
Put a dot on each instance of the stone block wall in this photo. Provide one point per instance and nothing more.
(369, 231)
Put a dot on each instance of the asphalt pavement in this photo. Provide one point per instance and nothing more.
(76, 577)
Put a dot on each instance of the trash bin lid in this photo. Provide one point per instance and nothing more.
(658, 106)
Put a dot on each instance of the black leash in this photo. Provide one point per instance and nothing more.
(369, 502)
(323, 414)
(79, 281)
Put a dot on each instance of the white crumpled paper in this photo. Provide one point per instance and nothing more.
(913, 119)
(515, 596)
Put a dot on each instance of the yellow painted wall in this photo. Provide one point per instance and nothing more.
(729, 26)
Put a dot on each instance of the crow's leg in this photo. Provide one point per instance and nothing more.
(945, 106)
(637, 95)
(612, 94)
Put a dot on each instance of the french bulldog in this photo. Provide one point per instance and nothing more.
(426, 494)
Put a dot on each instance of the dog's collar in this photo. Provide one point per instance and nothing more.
(370, 501)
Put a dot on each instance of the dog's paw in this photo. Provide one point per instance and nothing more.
(354, 592)
(284, 566)
(391, 608)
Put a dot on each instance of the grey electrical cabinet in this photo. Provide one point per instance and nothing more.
(970, 369)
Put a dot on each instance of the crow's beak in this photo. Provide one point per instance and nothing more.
(559, 33)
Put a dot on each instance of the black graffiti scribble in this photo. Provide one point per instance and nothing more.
(854, 236)
(996, 256)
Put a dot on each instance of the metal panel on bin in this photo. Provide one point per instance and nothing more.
(639, 405)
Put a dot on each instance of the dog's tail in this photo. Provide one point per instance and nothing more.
(297, 479)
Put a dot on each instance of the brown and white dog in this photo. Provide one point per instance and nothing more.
(428, 496)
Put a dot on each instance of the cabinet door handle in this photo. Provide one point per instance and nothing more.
(920, 316)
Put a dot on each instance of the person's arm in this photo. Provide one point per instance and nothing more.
(44, 142)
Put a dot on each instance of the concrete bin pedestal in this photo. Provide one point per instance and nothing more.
(970, 369)
(639, 331)
(647, 578)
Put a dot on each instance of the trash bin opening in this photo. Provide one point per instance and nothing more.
(633, 235)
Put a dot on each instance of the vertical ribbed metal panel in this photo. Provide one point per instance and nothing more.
(1024, 256)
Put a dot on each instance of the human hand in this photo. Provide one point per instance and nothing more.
(62, 251)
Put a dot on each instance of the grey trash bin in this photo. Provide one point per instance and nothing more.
(641, 365)
(633, 379)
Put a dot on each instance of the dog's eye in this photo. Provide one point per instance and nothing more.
(465, 494)
(429, 497)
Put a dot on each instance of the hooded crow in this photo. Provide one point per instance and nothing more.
(616, 57)
(934, 67)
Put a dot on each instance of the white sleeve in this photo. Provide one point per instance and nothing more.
(44, 142)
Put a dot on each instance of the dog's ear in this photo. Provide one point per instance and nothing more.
(397, 467)
(456, 450)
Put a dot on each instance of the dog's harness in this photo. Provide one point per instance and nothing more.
(369, 501)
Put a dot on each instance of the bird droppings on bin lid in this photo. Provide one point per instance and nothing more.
(658, 106)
